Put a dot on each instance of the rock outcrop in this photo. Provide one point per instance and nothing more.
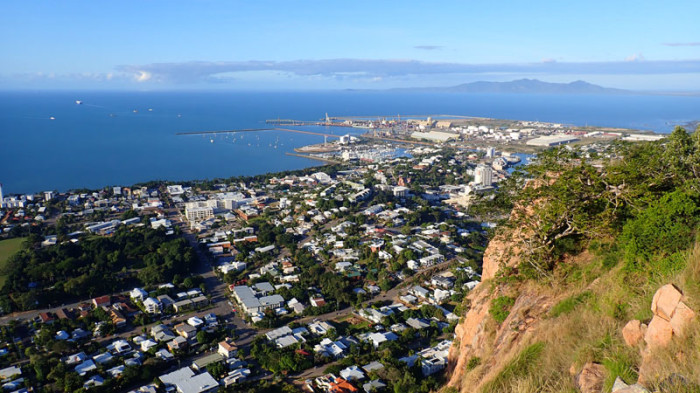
(478, 335)
(671, 318)
(634, 332)
(591, 378)
(621, 387)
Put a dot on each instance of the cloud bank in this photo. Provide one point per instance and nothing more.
(206, 71)
(681, 44)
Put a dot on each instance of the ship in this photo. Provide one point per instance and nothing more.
(78, 102)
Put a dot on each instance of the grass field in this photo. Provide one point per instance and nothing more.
(7, 248)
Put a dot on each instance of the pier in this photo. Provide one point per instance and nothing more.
(311, 157)
(258, 129)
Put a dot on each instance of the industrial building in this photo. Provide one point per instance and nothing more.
(553, 140)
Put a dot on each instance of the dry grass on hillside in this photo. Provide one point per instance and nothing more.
(586, 327)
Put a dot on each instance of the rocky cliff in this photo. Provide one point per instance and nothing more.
(483, 348)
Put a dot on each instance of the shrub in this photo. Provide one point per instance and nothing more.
(500, 308)
(663, 228)
(473, 363)
(569, 304)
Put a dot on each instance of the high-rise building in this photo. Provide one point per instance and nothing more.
(483, 175)
(490, 152)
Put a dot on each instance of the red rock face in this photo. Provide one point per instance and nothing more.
(682, 316)
(665, 301)
(671, 317)
(659, 332)
(634, 332)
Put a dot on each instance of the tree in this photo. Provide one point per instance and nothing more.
(202, 337)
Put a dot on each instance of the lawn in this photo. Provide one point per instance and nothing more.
(7, 248)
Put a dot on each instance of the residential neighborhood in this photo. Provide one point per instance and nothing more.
(341, 280)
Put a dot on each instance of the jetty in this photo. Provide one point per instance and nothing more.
(256, 130)
(312, 157)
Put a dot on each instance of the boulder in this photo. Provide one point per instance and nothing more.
(633, 332)
(659, 332)
(682, 316)
(665, 301)
(621, 387)
(591, 378)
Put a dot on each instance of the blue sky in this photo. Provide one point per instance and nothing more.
(261, 44)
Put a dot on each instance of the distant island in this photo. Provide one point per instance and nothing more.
(523, 86)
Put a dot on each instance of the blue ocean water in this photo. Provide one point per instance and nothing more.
(105, 142)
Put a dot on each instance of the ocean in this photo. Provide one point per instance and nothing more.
(121, 138)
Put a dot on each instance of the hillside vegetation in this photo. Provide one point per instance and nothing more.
(96, 265)
(587, 244)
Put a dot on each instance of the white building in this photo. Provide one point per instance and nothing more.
(483, 175)
(185, 381)
(198, 211)
(401, 191)
(151, 305)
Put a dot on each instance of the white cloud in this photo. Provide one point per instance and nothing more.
(143, 76)
(635, 57)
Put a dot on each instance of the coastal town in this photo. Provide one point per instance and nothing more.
(344, 278)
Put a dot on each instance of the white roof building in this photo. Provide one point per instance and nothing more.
(185, 381)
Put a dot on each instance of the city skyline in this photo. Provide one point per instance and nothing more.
(313, 45)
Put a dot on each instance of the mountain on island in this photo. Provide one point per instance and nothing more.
(523, 86)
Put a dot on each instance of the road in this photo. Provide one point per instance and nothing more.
(218, 292)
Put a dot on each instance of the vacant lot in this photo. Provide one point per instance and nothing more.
(7, 248)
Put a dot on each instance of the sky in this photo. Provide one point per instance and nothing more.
(307, 45)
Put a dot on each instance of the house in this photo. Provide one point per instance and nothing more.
(228, 349)
(119, 347)
(151, 305)
(177, 343)
(339, 385)
(10, 373)
(296, 305)
(236, 376)
(317, 301)
(62, 313)
(103, 358)
(162, 333)
(352, 373)
(163, 354)
(95, 380)
(195, 322)
(203, 362)
(116, 371)
(378, 339)
(420, 292)
(185, 381)
(186, 331)
(189, 304)
(45, 317)
(85, 367)
(417, 323)
(251, 303)
(320, 328)
(102, 301)
(72, 359)
(138, 294)
(374, 386)
(148, 344)
(373, 366)
(118, 319)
